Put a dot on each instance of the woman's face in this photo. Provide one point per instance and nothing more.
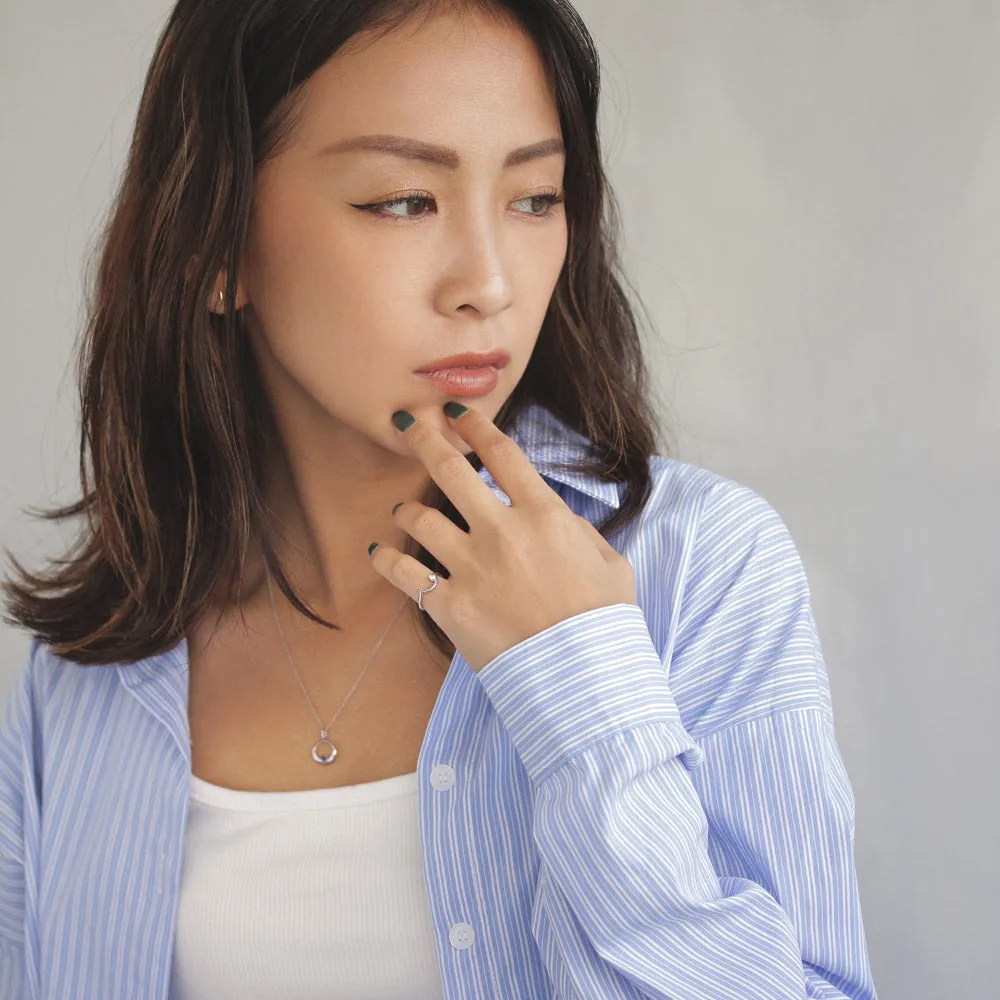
(345, 301)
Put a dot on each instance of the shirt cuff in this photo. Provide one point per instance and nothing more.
(583, 679)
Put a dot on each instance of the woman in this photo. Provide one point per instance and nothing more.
(564, 729)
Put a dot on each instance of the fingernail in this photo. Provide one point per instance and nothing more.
(372, 547)
(454, 409)
(402, 420)
(400, 504)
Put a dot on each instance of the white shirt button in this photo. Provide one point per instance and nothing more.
(462, 935)
(443, 777)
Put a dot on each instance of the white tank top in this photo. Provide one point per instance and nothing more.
(304, 894)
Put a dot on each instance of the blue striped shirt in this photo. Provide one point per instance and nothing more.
(648, 800)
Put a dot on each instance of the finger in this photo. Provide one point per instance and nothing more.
(502, 457)
(451, 470)
(444, 539)
(407, 573)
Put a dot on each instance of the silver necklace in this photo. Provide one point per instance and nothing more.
(318, 755)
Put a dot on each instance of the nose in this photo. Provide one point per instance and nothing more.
(479, 275)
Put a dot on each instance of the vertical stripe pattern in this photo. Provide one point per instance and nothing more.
(649, 800)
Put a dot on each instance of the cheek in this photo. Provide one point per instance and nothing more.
(335, 314)
(542, 277)
(285, 255)
(550, 256)
(308, 280)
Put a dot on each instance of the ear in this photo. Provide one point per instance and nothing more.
(215, 303)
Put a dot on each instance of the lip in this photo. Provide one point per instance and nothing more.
(463, 381)
(494, 359)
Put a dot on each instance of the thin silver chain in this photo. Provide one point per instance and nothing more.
(325, 729)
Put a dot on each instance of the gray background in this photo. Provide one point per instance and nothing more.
(811, 204)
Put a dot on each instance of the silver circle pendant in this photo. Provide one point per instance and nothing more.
(324, 758)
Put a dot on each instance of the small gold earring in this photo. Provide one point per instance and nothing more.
(222, 301)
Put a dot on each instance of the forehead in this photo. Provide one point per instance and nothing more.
(470, 81)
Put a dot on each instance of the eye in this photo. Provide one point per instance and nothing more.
(549, 200)
(409, 200)
(381, 208)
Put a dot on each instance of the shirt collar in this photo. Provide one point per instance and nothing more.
(546, 441)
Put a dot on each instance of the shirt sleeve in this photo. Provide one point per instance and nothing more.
(682, 869)
(16, 788)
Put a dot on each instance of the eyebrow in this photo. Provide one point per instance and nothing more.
(441, 156)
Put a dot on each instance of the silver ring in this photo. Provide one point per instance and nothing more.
(434, 582)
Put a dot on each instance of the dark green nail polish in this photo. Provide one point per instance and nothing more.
(454, 409)
(402, 420)
(400, 504)
(372, 547)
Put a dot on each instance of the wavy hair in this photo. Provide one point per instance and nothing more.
(173, 417)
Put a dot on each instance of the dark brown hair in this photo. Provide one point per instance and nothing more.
(174, 422)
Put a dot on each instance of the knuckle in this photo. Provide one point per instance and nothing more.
(494, 521)
(395, 570)
(502, 449)
(553, 511)
(424, 519)
(453, 467)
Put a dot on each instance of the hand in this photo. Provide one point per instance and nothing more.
(519, 569)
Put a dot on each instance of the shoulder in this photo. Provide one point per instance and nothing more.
(46, 679)
(710, 519)
(51, 701)
(48, 705)
(19, 786)
(726, 594)
(46, 694)
(21, 705)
